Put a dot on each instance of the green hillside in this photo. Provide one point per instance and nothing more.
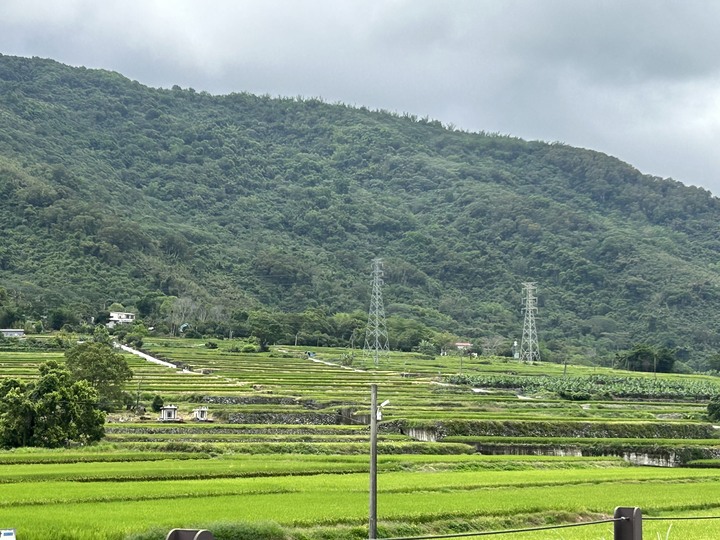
(113, 191)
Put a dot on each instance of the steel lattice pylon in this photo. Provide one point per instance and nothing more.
(529, 347)
(376, 335)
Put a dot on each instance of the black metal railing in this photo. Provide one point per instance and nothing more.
(627, 525)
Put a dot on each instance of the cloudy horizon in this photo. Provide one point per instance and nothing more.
(638, 80)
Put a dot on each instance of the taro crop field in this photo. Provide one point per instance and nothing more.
(465, 444)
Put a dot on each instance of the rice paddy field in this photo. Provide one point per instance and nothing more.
(465, 444)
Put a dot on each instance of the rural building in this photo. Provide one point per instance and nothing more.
(169, 414)
(119, 317)
(463, 346)
(12, 332)
(201, 414)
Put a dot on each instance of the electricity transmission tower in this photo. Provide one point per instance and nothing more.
(529, 348)
(376, 335)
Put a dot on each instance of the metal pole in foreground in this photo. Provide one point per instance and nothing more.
(631, 526)
(372, 529)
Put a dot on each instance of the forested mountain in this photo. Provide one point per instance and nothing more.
(113, 191)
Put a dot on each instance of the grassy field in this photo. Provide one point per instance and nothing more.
(303, 494)
(286, 456)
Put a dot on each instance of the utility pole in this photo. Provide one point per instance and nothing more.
(376, 335)
(375, 417)
(372, 526)
(529, 347)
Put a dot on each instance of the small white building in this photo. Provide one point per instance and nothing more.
(12, 332)
(168, 413)
(120, 317)
(463, 346)
(201, 414)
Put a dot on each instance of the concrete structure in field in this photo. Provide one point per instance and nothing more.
(169, 414)
(201, 414)
(12, 332)
(120, 317)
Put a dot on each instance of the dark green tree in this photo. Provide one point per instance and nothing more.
(643, 357)
(52, 412)
(713, 362)
(103, 368)
(713, 408)
(266, 327)
(101, 334)
(427, 348)
(157, 403)
(60, 317)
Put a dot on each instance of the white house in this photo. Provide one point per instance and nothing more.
(12, 332)
(119, 317)
(463, 346)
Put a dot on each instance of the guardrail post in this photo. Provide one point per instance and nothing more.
(629, 528)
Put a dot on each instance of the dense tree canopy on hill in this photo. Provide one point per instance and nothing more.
(242, 204)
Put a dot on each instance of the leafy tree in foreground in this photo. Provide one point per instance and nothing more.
(104, 369)
(52, 412)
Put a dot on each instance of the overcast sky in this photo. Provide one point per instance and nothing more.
(637, 79)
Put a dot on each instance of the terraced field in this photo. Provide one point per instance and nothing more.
(286, 453)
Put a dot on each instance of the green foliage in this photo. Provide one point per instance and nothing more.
(646, 358)
(427, 348)
(134, 340)
(713, 408)
(111, 191)
(595, 386)
(101, 334)
(51, 412)
(104, 369)
(157, 403)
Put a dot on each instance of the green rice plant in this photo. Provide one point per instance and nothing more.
(329, 500)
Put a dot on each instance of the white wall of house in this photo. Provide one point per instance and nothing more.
(120, 317)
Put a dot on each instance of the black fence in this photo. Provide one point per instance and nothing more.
(627, 525)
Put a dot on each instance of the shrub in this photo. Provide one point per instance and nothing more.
(713, 408)
(157, 403)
